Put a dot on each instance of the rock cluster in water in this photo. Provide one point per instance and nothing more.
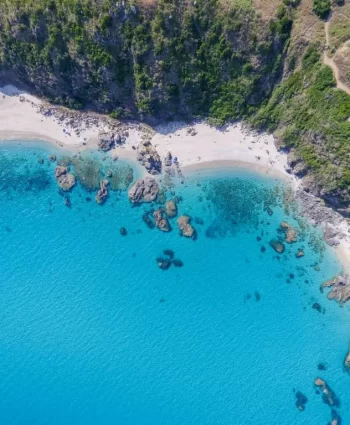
(144, 190)
(289, 231)
(149, 157)
(160, 221)
(301, 400)
(186, 229)
(64, 179)
(340, 288)
(164, 263)
(171, 208)
(277, 246)
(328, 395)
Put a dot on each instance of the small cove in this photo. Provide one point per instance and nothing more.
(94, 333)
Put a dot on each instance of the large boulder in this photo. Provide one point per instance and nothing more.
(149, 157)
(347, 361)
(108, 140)
(186, 229)
(144, 190)
(277, 246)
(328, 395)
(102, 194)
(340, 288)
(290, 232)
(65, 180)
(161, 222)
(171, 208)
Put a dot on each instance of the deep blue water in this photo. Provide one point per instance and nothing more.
(92, 332)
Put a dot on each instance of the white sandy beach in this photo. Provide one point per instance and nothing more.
(20, 119)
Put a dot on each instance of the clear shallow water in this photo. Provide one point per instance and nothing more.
(92, 332)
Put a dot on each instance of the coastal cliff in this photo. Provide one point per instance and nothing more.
(155, 61)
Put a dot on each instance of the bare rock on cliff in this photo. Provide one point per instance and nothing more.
(149, 157)
(161, 222)
(186, 229)
(144, 190)
(340, 288)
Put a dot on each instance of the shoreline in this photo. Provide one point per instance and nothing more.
(198, 148)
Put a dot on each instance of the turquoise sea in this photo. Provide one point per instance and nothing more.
(93, 332)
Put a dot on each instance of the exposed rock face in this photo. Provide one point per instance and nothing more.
(144, 190)
(171, 208)
(149, 157)
(340, 291)
(64, 179)
(161, 222)
(108, 140)
(185, 227)
(277, 246)
(327, 394)
(290, 232)
(102, 194)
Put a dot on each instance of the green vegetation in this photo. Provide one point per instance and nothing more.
(322, 8)
(310, 116)
(215, 59)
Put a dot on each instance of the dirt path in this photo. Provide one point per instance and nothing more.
(327, 60)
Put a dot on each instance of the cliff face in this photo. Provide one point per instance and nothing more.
(149, 61)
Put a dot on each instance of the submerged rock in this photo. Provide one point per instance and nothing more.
(301, 400)
(328, 395)
(171, 208)
(277, 246)
(178, 263)
(161, 222)
(144, 190)
(123, 231)
(102, 194)
(336, 419)
(149, 157)
(347, 361)
(169, 253)
(300, 253)
(149, 222)
(340, 288)
(163, 263)
(185, 227)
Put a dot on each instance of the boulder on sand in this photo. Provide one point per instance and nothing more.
(144, 190)
(185, 227)
(149, 157)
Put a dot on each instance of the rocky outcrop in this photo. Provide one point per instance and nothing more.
(277, 246)
(300, 253)
(186, 229)
(301, 400)
(340, 288)
(108, 140)
(161, 222)
(163, 263)
(328, 395)
(144, 190)
(290, 232)
(168, 159)
(102, 194)
(65, 180)
(347, 361)
(171, 208)
(149, 157)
